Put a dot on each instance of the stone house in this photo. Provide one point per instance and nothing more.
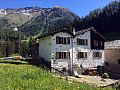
(112, 56)
(67, 51)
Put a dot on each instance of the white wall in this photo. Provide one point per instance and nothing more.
(90, 61)
(45, 48)
(81, 48)
(60, 63)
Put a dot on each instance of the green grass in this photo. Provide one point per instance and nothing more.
(28, 77)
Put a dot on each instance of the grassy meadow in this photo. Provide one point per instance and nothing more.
(28, 77)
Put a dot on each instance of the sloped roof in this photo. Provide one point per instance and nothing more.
(54, 32)
(70, 32)
(112, 44)
(89, 29)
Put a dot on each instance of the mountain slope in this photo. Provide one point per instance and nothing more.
(9, 18)
(51, 19)
(36, 20)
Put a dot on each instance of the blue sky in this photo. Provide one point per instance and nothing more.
(80, 7)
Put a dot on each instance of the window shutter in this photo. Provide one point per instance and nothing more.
(78, 55)
(94, 54)
(101, 43)
(57, 39)
(77, 41)
(68, 39)
(100, 54)
(57, 55)
(80, 41)
(86, 42)
(86, 55)
(68, 55)
(94, 42)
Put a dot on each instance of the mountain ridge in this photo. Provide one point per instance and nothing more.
(40, 19)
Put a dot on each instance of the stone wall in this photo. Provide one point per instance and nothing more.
(111, 60)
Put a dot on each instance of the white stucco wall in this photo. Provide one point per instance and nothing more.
(81, 48)
(45, 48)
(60, 63)
(90, 61)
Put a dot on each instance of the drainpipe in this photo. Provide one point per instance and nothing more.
(72, 49)
(72, 56)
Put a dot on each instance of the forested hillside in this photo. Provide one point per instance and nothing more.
(106, 20)
(10, 41)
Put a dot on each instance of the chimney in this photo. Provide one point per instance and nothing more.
(73, 30)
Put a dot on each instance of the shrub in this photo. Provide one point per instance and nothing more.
(105, 75)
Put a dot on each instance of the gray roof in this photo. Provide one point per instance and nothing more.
(112, 44)
(70, 32)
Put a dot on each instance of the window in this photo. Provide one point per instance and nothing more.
(82, 55)
(97, 54)
(95, 43)
(62, 40)
(82, 41)
(62, 55)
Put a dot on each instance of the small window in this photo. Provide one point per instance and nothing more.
(62, 40)
(82, 41)
(82, 55)
(62, 55)
(118, 61)
(97, 54)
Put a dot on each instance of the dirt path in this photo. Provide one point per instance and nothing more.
(92, 80)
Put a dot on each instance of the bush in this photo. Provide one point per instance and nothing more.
(105, 75)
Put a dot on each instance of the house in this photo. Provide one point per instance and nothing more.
(68, 51)
(112, 57)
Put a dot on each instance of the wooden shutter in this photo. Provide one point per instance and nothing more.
(57, 55)
(101, 43)
(100, 54)
(86, 55)
(94, 43)
(86, 42)
(78, 55)
(68, 55)
(77, 41)
(68, 40)
(57, 40)
(94, 54)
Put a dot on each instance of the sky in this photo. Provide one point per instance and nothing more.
(79, 7)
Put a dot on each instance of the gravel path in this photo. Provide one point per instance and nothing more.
(93, 80)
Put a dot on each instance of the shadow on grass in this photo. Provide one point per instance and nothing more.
(39, 62)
